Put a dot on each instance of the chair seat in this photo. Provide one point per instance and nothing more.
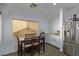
(41, 41)
(26, 46)
(36, 43)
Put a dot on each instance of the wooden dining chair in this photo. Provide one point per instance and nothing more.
(23, 46)
(27, 35)
(19, 46)
(26, 46)
(36, 44)
(42, 43)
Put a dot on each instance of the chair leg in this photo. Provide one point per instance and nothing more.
(44, 47)
(24, 52)
(38, 49)
(32, 50)
(21, 52)
(18, 52)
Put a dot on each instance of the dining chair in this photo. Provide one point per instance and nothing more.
(36, 44)
(26, 45)
(19, 46)
(42, 42)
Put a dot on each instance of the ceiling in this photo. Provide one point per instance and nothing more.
(42, 8)
(67, 5)
(44, 5)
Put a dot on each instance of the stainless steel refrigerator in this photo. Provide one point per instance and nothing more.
(71, 37)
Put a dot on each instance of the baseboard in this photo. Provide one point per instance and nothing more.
(8, 53)
(13, 51)
(53, 45)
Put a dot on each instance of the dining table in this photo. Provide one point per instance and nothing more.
(32, 39)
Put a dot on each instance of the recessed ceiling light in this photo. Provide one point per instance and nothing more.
(54, 3)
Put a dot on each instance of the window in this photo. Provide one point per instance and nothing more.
(22, 27)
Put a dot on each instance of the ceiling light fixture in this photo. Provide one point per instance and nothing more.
(54, 3)
(33, 5)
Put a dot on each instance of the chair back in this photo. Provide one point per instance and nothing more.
(18, 39)
(27, 41)
(27, 35)
(35, 40)
(19, 43)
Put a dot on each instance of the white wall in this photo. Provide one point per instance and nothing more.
(55, 25)
(9, 43)
(0, 29)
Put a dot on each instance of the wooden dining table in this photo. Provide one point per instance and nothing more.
(29, 39)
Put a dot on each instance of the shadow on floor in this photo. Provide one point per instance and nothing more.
(50, 51)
